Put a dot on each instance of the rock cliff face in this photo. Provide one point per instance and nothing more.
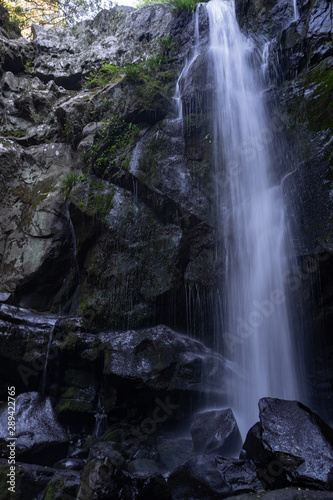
(85, 111)
(107, 225)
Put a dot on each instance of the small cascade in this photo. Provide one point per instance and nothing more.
(47, 357)
(101, 419)
(264, 58)
(186, 69)
(296, 14)
(133, 167)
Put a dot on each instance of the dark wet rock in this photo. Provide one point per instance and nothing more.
(305, 43)
(287, 494)
(142, 465)
(40, 438)
(112, 451)
(35, 481)
(15, 53)
(100, 480)
(216, 432)
(173, 452)
(264, 17)
(208, 477)
(162, 359)
(294, 441)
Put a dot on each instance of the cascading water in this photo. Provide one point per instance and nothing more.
(295, 10)
(186, 69)
(47, 357)
(251, 217)
(75, 299)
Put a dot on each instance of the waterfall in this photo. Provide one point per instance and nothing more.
(252, 223)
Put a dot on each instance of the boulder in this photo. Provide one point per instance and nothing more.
(216, 432)
(36, 481)
(290, 440)
(141, 466)
(162, 359)
(39, 437)
(213, 477)
(287, 494)
(99, 479)
(173, 452)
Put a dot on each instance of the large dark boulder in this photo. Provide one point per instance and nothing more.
(162, 359)
(209, 478)
(40, 438)
(216, 432)
(291, 442)
(36, 481)
(100, 479)
(287, 494)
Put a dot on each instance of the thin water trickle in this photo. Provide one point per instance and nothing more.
(296, 16)
(47, 357)
(75, 299)
(252, 225)
(265, 56)
(186, 69)
(101, 419)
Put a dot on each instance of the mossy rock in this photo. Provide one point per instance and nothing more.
(312, 97)
(76, 400)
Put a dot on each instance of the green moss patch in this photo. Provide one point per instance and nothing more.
(313, 100)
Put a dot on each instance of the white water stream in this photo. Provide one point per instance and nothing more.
(257, 328)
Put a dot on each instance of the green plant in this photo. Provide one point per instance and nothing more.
(102, 76)
(168, 45)
(70, 181)
(177, 5)
(133, 72)
(184, 5)
(153, 63)
(28, 66)
(115, 136)
(14, 132)
(35, 117)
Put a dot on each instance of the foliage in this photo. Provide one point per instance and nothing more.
(102, 76)
(9, 23)
(28, 66)
(116, 135)
(177, 5)
(15, 132)
(133, 73)
(313, 103)
(52, 12)
(70, 181)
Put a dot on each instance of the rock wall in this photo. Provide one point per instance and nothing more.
(86, 145)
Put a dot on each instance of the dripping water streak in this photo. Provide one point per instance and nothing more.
(265, 55)
(186, 69)
(100, 418)
(75, 298)
(252, 225)
(44, 376)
